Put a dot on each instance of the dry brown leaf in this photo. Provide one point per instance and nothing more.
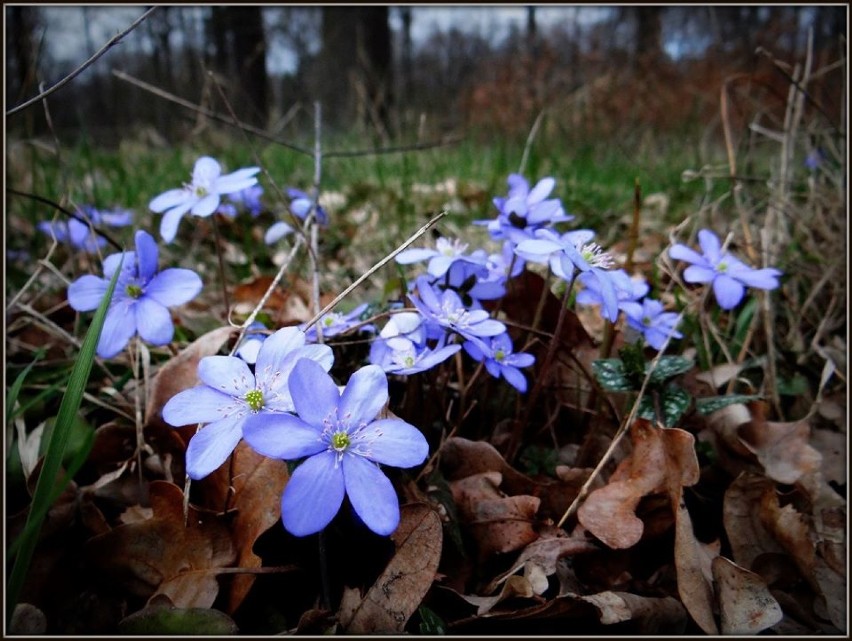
(181, 372)
(695, 590)
(782, 448)
(662, 461)
(497, 523)
(257, 485)
(833, 448)
(747, 533)
(654, 615)
(148, 555)
(400, 589)
(515, 586)
(544, 554)
(745, 603)
(790, 530)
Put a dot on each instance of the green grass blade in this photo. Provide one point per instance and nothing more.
(46, 487)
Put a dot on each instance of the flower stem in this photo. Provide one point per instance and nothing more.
(324, 580)
(221, 267)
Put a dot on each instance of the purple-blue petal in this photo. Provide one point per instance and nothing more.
(153, 322)
(119, 328)
(698, 274)
(227, 374)
(414, 255)
(365, 395)
(171, 220)
(282, 436)
(174, 286)
(146, 255)
(399, 444)
(313, 495)
(728, 291)
(371, 494)
(212, 445)
(314, 393)
(514, 377)
(87, 292)
(710, 245)
(200, 404)
(682, 252)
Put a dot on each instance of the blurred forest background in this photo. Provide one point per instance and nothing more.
(412, 73)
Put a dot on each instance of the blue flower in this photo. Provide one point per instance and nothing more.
(301, 203)
(248, 199)
(343, 441)
(496, 354)
(141, 299)
(446, 253)
(250, 345)
(202, 196)
(729, 275)
(574, 250)
(230, 395)
(525, 210)
(79, 234)
(627, 290)
(448, 312)
(652, 321)
(402, 356)
(334, 323)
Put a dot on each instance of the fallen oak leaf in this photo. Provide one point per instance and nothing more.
(746, 530)
(403, 584)
(143, 556)
(514, 587)
(745, 603)
(654, 615)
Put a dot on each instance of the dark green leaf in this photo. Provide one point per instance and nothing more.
(710, 404)
(668, 367)
(431, 623)
(159, 620)
(673, 403)
(611, 376)
(15, 389)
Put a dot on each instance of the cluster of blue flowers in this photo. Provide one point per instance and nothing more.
(276, 392)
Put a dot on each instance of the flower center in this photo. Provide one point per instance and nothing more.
(201, 191)
(340, 441)
(722, 267)
(519, 222)
(646, 321)
(133, 290)
(449, 247)
(254, 398)
(499, 355)
(595, 256)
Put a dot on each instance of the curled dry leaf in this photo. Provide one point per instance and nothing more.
(662, 461)
(400, 589)
(746, 530)
(782, 448)
(653, 615)
(745, 603)
(515, 586)
(163, 553)
(497, 523)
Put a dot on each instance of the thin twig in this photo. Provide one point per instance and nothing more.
(384, 261)
(530, 138)
(109, 45)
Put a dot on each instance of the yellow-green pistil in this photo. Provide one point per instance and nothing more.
(499, 355)
(722, 267)
(254, 398)
(340, 441)
(134, 291)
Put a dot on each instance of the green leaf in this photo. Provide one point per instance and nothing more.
(710, 404)
(668, 367)
(431, 623)
(46, 486)
(158, 620)
(611, 376)
(674, 401)
(79, 434)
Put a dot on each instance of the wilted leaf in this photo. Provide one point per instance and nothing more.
(693, 586)
(498, 523)
(257, 485)
(745, 603)
(515, 586)
(782, 448)
(662, 460)
(181, 372)
(720, 375)
(27, 620)
(163, 553)
(741, 516)
(400, 589)
(653, 615)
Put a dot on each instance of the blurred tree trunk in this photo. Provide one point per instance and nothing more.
(22, 55)
(649, 36)
(249, 53)
(355, 65)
